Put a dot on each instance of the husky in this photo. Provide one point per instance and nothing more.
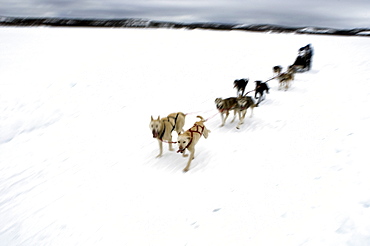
(277, 70)
(190, 138)
(162, 129)
(243, 104)
(224, 106)
(285, 79)
(240, 85)
(261, 88)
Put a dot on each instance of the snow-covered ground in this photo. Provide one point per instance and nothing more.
(77, 158)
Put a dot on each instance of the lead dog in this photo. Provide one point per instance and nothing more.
(162, 129)
(243, 104)
(224, 106)
(190, 138)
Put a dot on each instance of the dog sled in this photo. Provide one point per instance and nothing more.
(303, 61)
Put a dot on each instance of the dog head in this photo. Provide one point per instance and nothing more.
(277, 69)
(155, 126)
(258, 83)
(219, 102)
(240, 82)
(183, 142)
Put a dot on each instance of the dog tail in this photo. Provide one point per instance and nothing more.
(201, 118)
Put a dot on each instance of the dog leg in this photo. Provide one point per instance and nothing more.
(240, 123)
(239, 114)
(191, 157)
(184, 153)
(234, 116)
(260, 99)
(241, 118)
(243, 115)
(206, 132)
(242, 91)
(160, 148)
(224, 118)
(170, 145)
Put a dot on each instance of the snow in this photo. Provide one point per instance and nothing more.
(364, 33)
(77, 158)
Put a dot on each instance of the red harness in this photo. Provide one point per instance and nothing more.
(191, 135)
(196, 131)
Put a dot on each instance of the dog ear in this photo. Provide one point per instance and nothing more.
(158, 117)
(151, 118)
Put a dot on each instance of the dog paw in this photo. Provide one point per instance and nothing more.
(158, 156)
(185, 170)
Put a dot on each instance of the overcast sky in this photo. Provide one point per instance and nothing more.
(319, 13)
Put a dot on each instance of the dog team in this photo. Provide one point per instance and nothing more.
(162, 128)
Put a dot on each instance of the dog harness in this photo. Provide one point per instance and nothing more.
(224, 109)
(164, 126)
(175, 119)
(191, 135)
(162, 134)
(247, 105)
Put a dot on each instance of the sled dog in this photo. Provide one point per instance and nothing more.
(292, 70)
(189, 139)
(261, 88)
(224, 106)
(277, 70)
(162, 128)
(285, 80)
(243, 104)
(240, 85)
